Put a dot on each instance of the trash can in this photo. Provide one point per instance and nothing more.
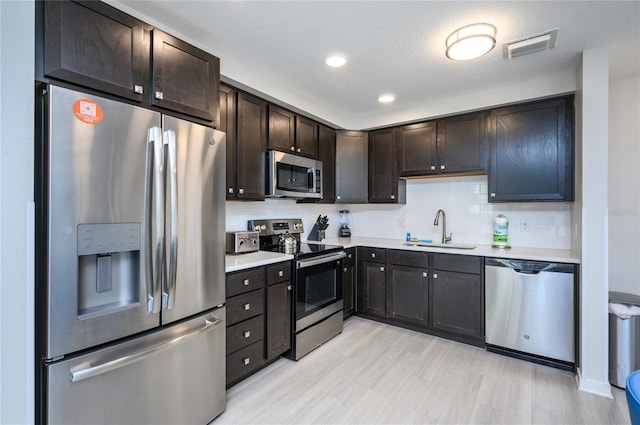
(624, 336)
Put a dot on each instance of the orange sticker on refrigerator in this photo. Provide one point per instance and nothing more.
(87, 111)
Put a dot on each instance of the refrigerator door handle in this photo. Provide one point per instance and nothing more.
(88, 370)
(154, 207)
(172, 230)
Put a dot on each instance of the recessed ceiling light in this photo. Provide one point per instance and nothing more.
(471, 41)
(335, 61)
(386, 98)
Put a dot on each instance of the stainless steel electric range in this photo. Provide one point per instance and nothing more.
(317, 287)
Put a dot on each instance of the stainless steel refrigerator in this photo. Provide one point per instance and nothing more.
(130, 292)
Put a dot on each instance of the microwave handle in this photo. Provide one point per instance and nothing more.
(311, 178)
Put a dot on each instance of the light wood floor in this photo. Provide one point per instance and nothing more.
(375, 373)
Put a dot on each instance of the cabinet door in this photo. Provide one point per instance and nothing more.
(461, 144)
(384, 184)
(228, 125)
(457, 303)
(532, 152)
(327, 154)
(407, 294)
(348, 283)
(351, 167)
(417, 149)
(185, 78)
(281, 129)
(251, 147)
(278, 319)
(96, 46)
(306, 137)
(372, 289)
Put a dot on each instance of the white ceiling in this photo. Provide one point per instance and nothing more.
(277, 48)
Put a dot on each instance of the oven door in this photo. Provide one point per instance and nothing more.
(318, 288)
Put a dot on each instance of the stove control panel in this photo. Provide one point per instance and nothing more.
(276, 226)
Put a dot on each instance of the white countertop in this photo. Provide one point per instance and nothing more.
(535, 254)
(254, 259)
(261, 258)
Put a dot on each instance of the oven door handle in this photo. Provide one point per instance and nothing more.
(301, 264)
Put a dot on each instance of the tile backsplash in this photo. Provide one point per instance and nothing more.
(464, 200)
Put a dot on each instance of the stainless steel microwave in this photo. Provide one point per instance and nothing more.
(293, 176)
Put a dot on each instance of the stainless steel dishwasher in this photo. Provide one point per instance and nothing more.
(530, 310)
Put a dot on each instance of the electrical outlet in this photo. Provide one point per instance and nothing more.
(402, 223)
(524, 225)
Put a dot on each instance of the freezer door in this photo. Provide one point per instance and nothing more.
(95, 275)
(195, 218)
(172, 376)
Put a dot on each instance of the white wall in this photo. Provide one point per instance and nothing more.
(464, 200)
(593, 95)
(624, 185)
(16, 212)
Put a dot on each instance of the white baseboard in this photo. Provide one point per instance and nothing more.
(602, 389)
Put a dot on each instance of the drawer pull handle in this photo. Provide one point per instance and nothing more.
(246, 361)
(373, 255)
(381, 269)
(289, 288)
(247, 334)
(247, 306)
(424, 274)
(246, 282)
(435, 275)
(281, 273)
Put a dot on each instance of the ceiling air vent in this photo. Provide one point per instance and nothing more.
(531, 44)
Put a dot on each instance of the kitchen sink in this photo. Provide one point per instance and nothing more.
(441, 245)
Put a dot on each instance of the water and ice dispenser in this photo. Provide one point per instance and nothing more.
(108, 267)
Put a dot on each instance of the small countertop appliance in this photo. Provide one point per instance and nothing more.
(345, 221)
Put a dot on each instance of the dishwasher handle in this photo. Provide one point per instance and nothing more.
(530, 267)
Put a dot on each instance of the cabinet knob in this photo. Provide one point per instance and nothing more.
(230, 190)
(344, 269)
(338, 197)
(292, 149)
(159, 95)
(493, 194)
(393, 196)
(241, 191)
(442, 167)
(435, 275)
(247, 306)
(381, 268)
(299, 150)
(289, 287)
(424, 274)
(280, 273)
(246, 282)
(138, 89)
(350, 255)
(433, 167)
(247, 334)
(373, 255)
(246, 361)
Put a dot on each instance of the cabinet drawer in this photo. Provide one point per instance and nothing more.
(244, 334)
(244, 281)
(280, 272)
(408, 258)
(373, 254)
(245, 361)
(245, 306)
(458, 263)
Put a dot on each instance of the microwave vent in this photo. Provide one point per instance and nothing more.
(530, 44)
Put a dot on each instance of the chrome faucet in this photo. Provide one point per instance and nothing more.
(445, 238)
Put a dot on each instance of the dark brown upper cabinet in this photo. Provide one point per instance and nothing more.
(97, 46)
(251, 146)
(227, 123)
(306, 137)
(185, 78)
(417, 149)
(384, 185)
(94, 45)
(282, 130)
(532, 152)
(327, 154)
(351, 167)
(461, 145)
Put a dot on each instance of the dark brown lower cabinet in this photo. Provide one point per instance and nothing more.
(349, 283)
(408, 287)
(278, 319)
(372, 287)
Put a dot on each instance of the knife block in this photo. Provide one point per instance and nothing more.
(316, 234)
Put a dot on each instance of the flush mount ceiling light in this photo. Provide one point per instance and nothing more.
(386, 98)
(530, 44)
(335, 61)
(471, 41)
